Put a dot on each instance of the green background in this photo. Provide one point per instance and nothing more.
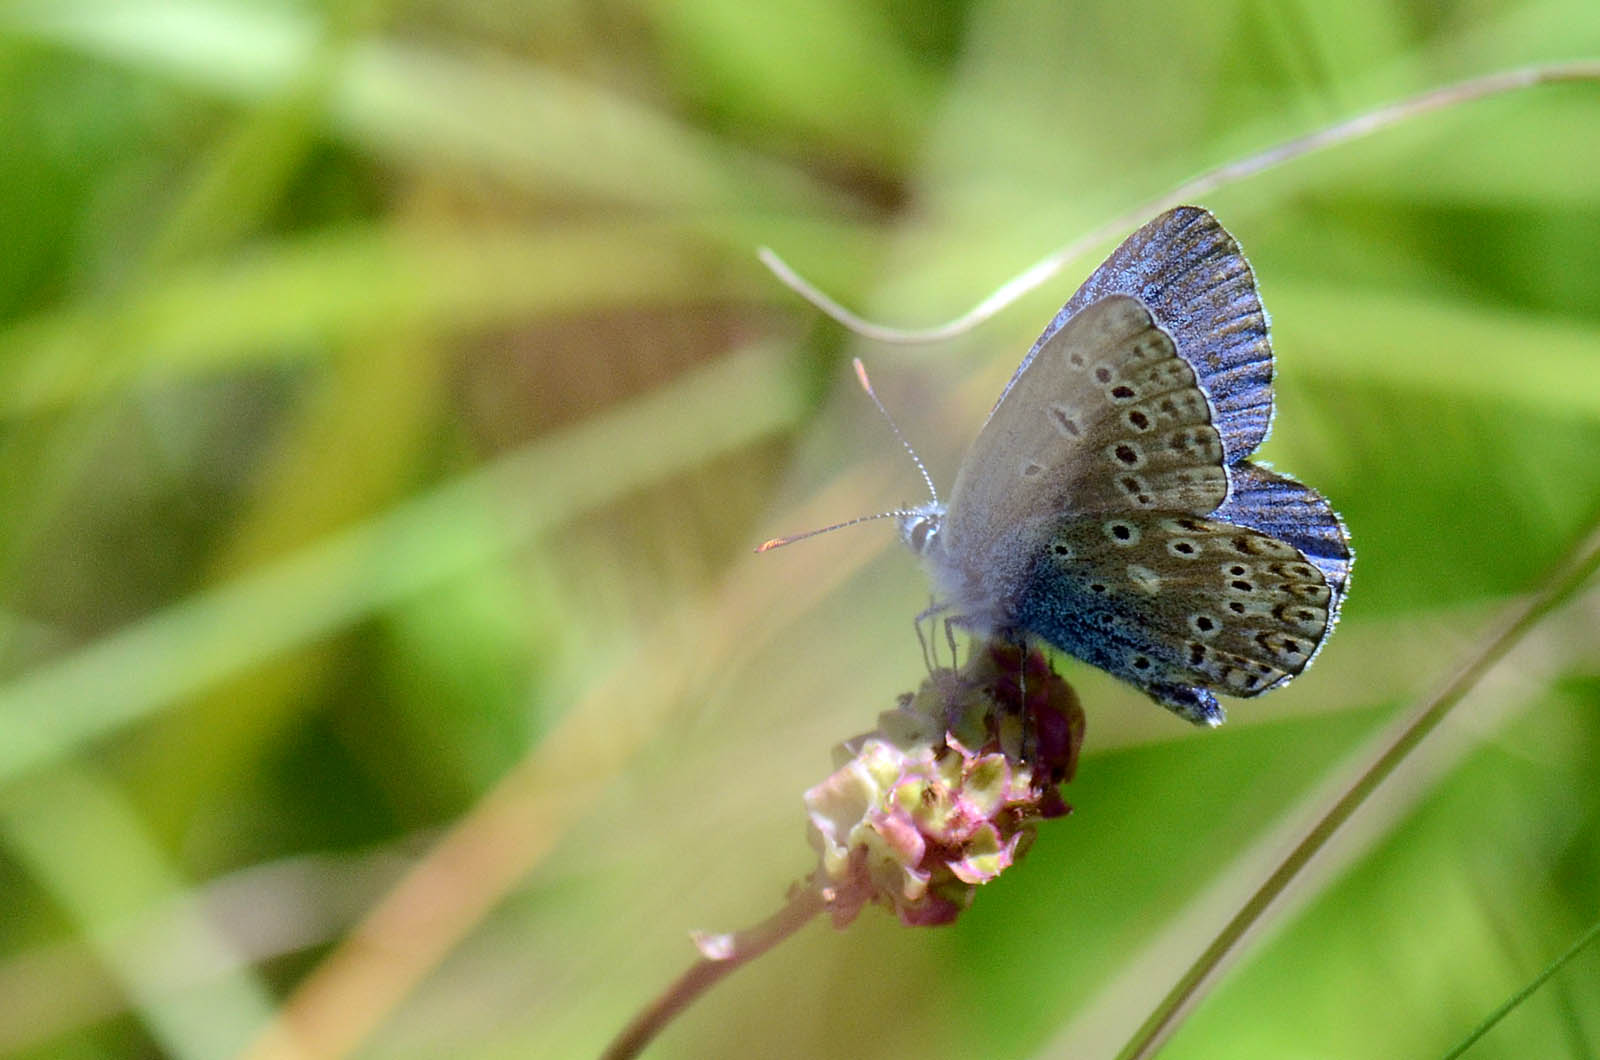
(390, 397)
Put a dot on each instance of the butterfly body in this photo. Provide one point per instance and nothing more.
(1107, 506)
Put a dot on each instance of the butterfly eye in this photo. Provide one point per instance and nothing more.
(922, 532)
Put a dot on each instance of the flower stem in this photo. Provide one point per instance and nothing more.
(736, 950)
(1041, 271)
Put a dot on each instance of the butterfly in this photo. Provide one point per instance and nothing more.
(1108, 506)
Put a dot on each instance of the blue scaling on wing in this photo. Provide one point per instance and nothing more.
(1280, 507)
(1095, 619)
(1195, 280)
(1179, 604)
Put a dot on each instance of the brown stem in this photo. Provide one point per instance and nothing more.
(1522, 617)
(1041, 271)
(743, 947)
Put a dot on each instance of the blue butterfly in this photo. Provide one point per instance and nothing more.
(1108, 506)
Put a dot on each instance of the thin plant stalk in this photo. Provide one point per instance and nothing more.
(728, 955)
(1489, 1021)
(1565, 580)
(1041, 271)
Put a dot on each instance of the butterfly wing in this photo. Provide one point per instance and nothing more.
(1191, 274)
(1107, 505)
(1105, 417)
(1280, 507)
(1180, 605)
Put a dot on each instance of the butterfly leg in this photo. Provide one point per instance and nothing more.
(930, 615)
(1021, 642)
(922, 642)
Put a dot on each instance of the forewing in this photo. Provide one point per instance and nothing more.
(1192, 275)
(1106, 417)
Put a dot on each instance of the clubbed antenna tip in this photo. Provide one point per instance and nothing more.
(779, 542)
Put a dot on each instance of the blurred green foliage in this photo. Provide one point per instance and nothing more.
(390, 391)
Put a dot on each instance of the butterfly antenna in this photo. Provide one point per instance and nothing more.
(779, 542)
(866, 384)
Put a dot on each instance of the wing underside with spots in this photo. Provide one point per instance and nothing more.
(1180, 605)
(1277, 505)
(1106, 417)
(1191, 273)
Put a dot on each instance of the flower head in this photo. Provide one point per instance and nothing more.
(947, 792)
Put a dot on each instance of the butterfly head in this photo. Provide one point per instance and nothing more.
(920, 526)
